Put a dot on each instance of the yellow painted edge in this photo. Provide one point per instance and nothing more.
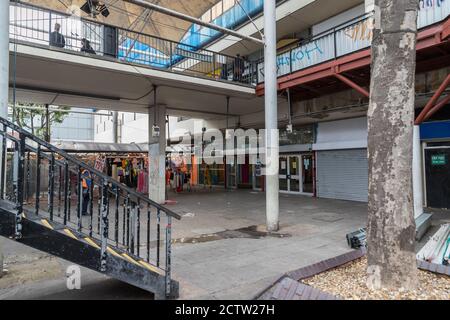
(46, 224)
(110, 250)
(129, 258)
(151, 268)
(92, 243)
(70, 234)
(23, 215)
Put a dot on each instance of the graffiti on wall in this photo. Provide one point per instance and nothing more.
(306, 55)
(427, 4)
(361, 31)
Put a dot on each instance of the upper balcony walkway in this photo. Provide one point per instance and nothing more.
(35, 25)
(119, 68)
(346, 48)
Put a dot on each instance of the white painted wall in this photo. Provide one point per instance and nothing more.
(338, 19)
(342, 134)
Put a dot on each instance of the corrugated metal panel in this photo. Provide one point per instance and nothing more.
(312, 53)
(342, 174)
(355, 37)
(432, 11)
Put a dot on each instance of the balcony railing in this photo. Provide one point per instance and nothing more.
(346, 38)
(36, 25)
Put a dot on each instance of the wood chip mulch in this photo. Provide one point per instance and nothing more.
(348, 282)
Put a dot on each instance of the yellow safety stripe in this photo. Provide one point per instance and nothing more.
(46, 224)
(110, 250)
(151, 268)
(70, 234)
(129, 258)
(91, 242)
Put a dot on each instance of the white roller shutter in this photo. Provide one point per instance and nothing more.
(342, 174)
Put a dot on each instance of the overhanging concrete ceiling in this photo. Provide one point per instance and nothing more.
(129, 16)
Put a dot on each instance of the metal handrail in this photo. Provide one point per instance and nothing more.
(114, 200)
(83, 165)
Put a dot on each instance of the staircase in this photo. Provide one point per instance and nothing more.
(125, 235)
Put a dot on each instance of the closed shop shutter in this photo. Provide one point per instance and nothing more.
(342, 174)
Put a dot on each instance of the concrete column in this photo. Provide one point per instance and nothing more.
(271, 115)
(116, 126)
(4, 76)
(157, 155)
(417, 173)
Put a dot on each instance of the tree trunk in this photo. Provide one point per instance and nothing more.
(391, 226)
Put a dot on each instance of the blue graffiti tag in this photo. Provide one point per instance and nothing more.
(297, 55)
(300, 54)
(429, 3)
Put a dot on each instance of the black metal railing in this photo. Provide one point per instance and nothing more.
(83, 199)
(36, 25)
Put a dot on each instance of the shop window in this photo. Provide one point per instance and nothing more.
(299, 135)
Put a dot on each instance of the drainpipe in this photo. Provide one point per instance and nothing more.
(4, 79)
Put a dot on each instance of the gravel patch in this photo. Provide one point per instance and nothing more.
(348, 282)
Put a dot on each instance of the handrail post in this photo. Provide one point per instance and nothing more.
(51, 185)
(3, 163)
(19, 186)
(104, 226)
(168, 255)
(66, 191)
(158, 235)
(38, 180)
(80, 199)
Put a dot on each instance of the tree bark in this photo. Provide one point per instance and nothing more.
(391, 225)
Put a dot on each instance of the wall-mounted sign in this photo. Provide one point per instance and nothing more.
(439, 160)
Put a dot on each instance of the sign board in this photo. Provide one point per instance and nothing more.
(438, 160)
(100, 164)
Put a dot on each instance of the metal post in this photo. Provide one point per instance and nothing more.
(168, 254)
(148, 232)
(104, 225)
(3, 160)
(138, 226)
(51, 185)
(66, 192)
(271, 115)
(19, 186)
(4, 84)
(158, 234)
(116, 126)
(80, 199)
(38, 179)
(4, 92)
(116, 218)
(47, 123)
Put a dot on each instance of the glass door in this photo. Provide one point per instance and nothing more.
(289, 174)
(294, 175)
(307, 173)
(283, 173)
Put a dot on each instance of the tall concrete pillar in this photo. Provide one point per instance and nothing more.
(417, 174)
(271, 115)
(4, 75)
(157, 154)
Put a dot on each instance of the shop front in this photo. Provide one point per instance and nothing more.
(296, 173)
(435, 138)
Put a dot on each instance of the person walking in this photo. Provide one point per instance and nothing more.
(86, 181)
